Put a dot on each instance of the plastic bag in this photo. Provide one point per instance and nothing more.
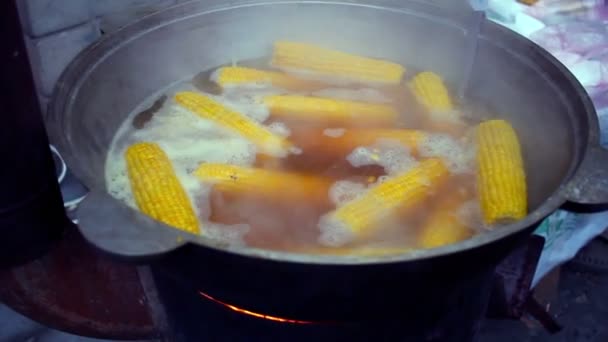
(576, 33)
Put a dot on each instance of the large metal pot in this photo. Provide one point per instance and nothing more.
(549, 109)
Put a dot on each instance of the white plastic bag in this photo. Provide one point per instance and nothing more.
(582, 46)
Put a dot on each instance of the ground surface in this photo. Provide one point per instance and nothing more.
(581, 307)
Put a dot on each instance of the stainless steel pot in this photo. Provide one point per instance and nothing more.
(520, 81)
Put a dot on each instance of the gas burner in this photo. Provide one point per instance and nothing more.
(195, 315)
(255, 314)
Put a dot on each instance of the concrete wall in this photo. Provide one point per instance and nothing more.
(57, 30)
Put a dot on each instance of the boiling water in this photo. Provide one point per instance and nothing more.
(283, 224)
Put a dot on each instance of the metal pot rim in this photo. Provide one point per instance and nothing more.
(75, 74)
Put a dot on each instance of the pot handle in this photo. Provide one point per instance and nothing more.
(120, 231)
(590, 185)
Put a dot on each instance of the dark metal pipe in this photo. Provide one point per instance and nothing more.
(31, 208)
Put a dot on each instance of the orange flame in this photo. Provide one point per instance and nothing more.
(254, 314)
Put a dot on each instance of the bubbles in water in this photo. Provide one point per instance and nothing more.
(382, 179)
(279, 128)
(233, 235)
(295, 150)
(243, 157)
(390, 154)
(469, 215)
(118, 182)
(361, 156)
(345, 191)
(334, 132)
(247, 102)
(334, 233)
(188, 141)
(458, 157)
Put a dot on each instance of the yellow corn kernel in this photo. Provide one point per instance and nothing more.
(358, 218)
(431, 92)
(157, 191)
(234, 76)
(267, 183)
(501, 177)
(444, 226)
(323, 110)
(319, 61)
(209, 109)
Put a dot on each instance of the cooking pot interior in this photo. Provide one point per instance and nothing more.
(512, 76)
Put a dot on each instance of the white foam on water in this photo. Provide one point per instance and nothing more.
(295, 150)
(469, 214)
(334, 233)
(381, 180)
(279, 128)
(334, 132)
(117, 180)
(188, 141)
(232, 235)
(390, 154)
(458, 157)
(247, 102)
(344, 191)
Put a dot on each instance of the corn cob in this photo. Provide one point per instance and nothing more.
(234, 76)
(501, 178)
(318, 109)
(209, 109)
(157, 191)
(318, 61)
(431, 92)
(271, 184)
(357, 218)
(444, 226)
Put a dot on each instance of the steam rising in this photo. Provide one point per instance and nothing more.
(190, 141)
